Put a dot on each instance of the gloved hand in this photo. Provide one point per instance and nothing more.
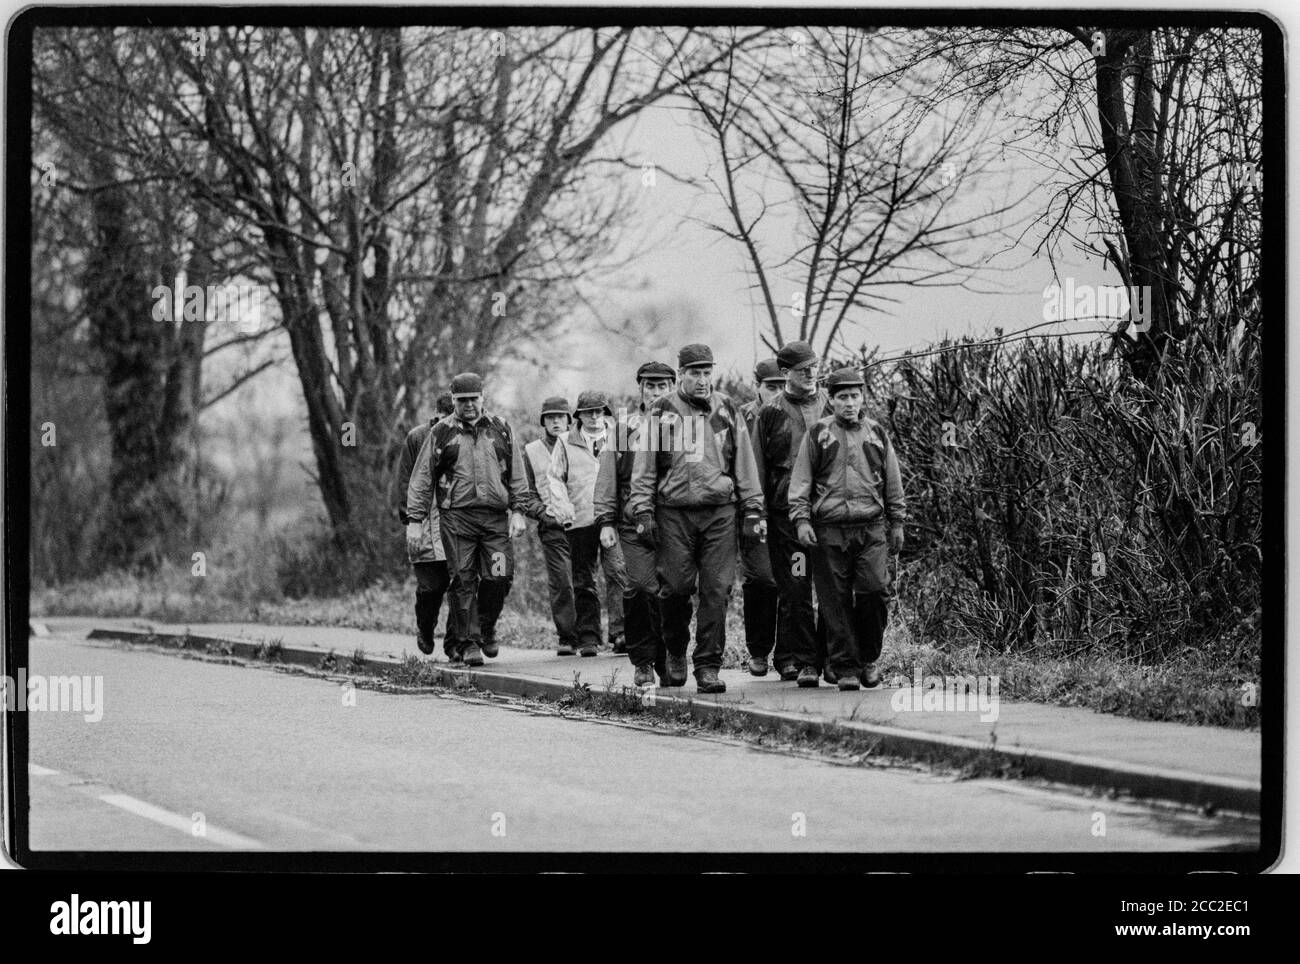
(896, 538)
(517, 524)
(647, 530)
(414, 530)
(608, 537)
(806, 535)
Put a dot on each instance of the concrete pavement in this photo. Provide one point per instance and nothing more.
(1199, 765)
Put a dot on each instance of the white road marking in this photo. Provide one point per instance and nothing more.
(224, 838)
(39, 771)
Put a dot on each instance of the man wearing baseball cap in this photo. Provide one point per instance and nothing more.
(555, 419)
(757, 584)
(781, 425)
(426, 555)
(845, 491)
(473, 469)
(684, 497)
(641, 610)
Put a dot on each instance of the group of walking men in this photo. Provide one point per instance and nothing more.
(798, 488)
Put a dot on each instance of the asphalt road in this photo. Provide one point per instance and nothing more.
(263, 760)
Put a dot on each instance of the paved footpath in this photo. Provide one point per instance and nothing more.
(1230, 757)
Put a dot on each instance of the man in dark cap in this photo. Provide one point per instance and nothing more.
(641, 610)
(781, 424)
(571, 476)
(472, 467)
(426, 554)
(847, 505)
(684, 497)
(555, 419)
(758, 586)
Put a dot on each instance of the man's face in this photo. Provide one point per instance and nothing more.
(697, 381)
(653, 389)
(769, 390)
(555, 424)
(802, 380)
(847, 404)
(469, 407)
(590, 419)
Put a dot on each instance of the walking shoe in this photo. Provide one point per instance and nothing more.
(490, 648)
(453, 652)
(471, 655)
(758, 666)
(644, 676)
(706, 681)
(789, 672)
(425, 647)
(676, 670)
(848, 683)
(808, 676)
(619, 644)
(566, 649)
(870, 675)
(588, 649)
(829, 675)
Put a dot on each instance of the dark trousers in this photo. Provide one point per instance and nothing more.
(614, 566)
(697, 556)
(559, 580)
(851, 568)
(584, 559)
(479, 555)
(642, 618)
(432, 582)
(797, 638)
(759, 595)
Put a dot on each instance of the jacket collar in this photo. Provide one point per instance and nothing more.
(704, 405)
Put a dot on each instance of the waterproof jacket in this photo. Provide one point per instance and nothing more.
(846, 476)
(466, 465)
(429, 548)
(610, 504)
(779, 429)
(696, 453)
(537, 460)
(572, 476)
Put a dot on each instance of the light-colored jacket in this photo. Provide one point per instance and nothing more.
(846, 476)
(572, 478)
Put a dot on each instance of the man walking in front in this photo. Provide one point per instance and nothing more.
(684, 498)
(641, 610)
(425, 553)
(757, 584)
(781, 425)
(555, 420)
(472, 467)
(846, 502)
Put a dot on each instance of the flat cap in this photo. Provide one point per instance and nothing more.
(692, 355)
(843, 378)
(655, 369)
(795, 354)
(466, 383)
(768, 371)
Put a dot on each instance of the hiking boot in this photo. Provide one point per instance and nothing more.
(471, 655)
(758, 666)
(426, 647)
(870, 675)
(619, 644)
(490, 648)
(848, 683)
(808, 676)
(830, 676)
(789, 672)
(566, 649)
(676, 667)
(589, 649)
(644, 675)
(706, 681)
(453, 651)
